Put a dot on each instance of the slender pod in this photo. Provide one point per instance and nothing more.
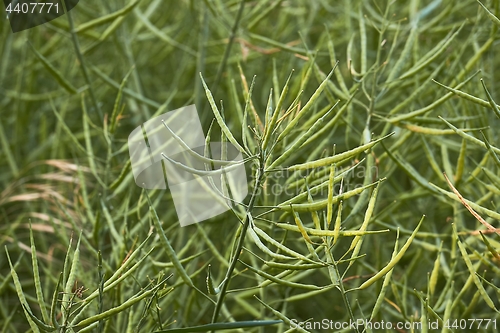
(385, 284)
(321, 204)
(279, 281)
(492, 103)
(166, 245)
(394, 260)
(328, 233)
(300, 140)
(338, 157)
(36, 275)
(472, 271)
(218, 117)
(291, 125)
(20, 294)
(366, 220)
(276, 113)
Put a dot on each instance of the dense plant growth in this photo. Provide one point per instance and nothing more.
(373, 161)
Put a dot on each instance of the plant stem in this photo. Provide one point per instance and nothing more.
(227, 51)
(241, 240)
(344, 296)
(79, 55)
(338, 279)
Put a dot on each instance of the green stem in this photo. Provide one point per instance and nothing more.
(228, 47)
(241, 240)
(344, 296)
(79, 55)
(338, 279)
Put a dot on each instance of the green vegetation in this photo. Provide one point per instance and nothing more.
(374, 166)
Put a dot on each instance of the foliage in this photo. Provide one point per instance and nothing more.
(373, 166)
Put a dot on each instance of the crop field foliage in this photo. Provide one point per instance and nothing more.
(370, 134)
